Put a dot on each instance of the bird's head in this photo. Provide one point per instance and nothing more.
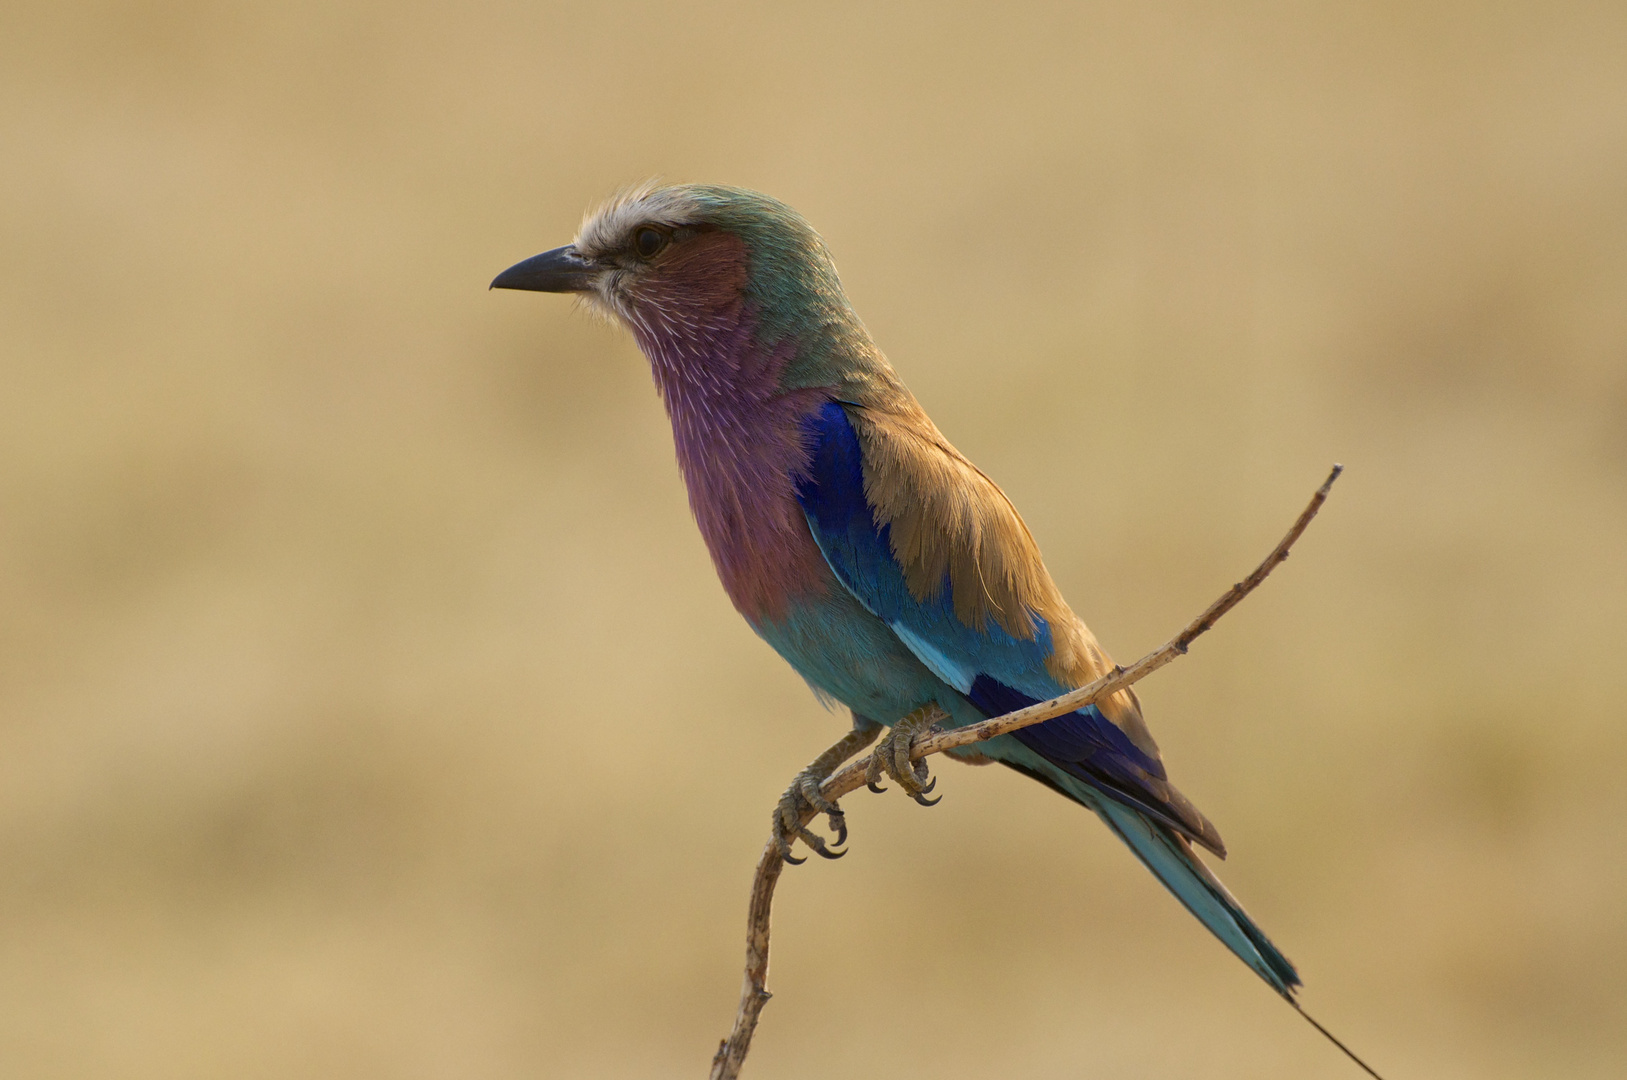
(677, 263)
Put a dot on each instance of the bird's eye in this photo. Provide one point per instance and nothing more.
(648, 241)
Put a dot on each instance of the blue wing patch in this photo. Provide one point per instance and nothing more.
(861, 556)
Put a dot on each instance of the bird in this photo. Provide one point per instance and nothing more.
(888, 570)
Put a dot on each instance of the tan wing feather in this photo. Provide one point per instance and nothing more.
(950, 522)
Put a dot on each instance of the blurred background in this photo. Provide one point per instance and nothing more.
(368, 706)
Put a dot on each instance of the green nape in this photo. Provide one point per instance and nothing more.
(793, 286)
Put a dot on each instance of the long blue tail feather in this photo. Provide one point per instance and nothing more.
(1172, 861)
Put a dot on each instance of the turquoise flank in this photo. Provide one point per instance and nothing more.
(844, 651)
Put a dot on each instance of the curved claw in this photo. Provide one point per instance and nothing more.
(785, 853)
(910, 775)
(838, 825)
(872, 771)
(808, 787)
(903, 768)
(817, 844)
(892, 757)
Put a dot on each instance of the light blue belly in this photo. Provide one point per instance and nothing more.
(844, 651)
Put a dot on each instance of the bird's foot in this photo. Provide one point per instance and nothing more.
(892, 756)
(802, 801)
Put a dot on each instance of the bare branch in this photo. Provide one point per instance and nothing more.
(731, 1053)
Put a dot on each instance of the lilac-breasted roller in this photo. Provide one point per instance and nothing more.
(889, 571)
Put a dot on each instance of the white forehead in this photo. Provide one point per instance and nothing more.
(607, 228)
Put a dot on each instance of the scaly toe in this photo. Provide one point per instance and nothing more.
(808, 787)
(903, 769)
(818, 844)
(787, 825)
(893, 757)
(833, 814)
(872, 771)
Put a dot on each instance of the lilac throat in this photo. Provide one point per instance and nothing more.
(740, 448)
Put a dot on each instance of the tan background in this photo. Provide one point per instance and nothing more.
(367, 704)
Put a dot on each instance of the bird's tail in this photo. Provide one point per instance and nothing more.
(1172, 861)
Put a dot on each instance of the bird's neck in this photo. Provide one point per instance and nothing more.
(739, 442)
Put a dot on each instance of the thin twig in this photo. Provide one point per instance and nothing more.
(731, 1052)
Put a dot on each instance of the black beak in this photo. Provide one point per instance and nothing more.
(559, 270)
